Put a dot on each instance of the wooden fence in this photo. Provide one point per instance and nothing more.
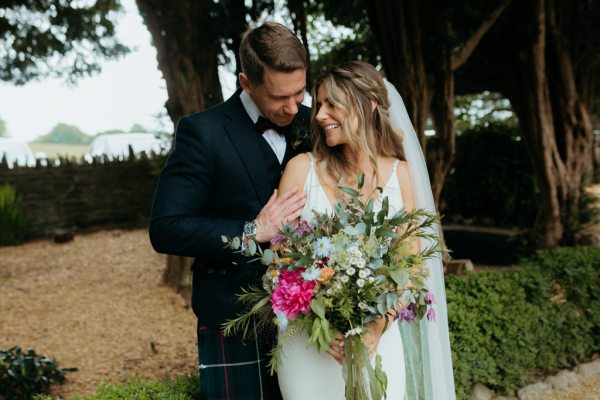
(79, 195)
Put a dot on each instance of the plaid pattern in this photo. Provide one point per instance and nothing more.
(232, 370)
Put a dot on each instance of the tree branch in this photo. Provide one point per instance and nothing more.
(460, 56)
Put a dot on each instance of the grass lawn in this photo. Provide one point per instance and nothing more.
(54, 150)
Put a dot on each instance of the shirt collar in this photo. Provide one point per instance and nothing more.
(250, 106)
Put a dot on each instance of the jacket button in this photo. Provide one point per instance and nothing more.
(210, 271)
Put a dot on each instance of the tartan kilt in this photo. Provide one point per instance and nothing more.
(231, 369)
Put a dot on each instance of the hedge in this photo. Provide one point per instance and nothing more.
(509, 328)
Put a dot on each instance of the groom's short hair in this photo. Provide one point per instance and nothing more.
(270, 45)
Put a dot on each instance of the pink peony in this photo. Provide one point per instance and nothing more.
(292, 294)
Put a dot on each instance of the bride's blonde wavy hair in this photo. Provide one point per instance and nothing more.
(352, 87)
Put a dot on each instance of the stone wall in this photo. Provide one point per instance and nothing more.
(81, 195)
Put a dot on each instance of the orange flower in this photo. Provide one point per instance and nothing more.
(287, 260)
(326, 274)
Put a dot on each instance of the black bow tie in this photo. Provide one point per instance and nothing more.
(264, 124)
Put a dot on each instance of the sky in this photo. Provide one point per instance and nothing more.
(127, 91)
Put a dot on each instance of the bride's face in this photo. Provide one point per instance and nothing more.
(280, 94)
(332, 120)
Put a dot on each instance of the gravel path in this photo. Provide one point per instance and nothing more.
(96, 304)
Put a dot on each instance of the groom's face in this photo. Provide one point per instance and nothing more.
(279, 95)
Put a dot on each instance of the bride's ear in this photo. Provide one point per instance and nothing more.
(373, 105)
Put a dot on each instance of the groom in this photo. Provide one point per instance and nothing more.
(220, 179)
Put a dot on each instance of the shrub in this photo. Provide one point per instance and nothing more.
(181, 388)
(23, 375)
(13, 222)
(508, 327)
(491, 180)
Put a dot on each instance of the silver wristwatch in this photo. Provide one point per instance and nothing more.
(249, 233)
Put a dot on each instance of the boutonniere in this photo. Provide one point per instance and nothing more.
(299, 133)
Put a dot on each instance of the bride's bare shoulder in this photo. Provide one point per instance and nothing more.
(295, 172)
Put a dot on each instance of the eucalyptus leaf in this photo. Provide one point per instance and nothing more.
(349, 191)
(251, 247)
(235, 243)
(376, 263)
(267, 257)
(360, 228)
(224, 239)
(400, 277)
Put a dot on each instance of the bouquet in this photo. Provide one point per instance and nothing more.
(338, 273)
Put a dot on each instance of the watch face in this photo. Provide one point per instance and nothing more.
(250, 228)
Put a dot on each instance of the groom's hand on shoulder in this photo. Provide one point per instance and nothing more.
(280, 209)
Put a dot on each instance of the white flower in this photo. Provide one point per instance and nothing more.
(363, 273)
(351, 271)
(345, 278)
(371, 279)
(356, 331)
(360, 282)
(361, 263)
(363, 306)
(354, 251)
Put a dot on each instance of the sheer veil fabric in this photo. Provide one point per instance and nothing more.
(426, 344)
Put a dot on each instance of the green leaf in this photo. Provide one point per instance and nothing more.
(318, 308)
(224, 239)
(267, 257)
(349, 191)
(302, 262)
(361, 180)
(235, 243)
(260, 304)
(400, 277)
(251, 247)
(360, 228)
(382, 231)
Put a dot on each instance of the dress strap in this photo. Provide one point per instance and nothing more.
(395, 165)
(312, 159)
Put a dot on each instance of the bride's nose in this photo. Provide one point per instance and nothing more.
(321, 114)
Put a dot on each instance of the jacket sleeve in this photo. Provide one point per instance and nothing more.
(177, 223)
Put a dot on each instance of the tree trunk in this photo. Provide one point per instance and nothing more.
(298, 14)
(556, 122)
(441, 148)
(187, 53)
(396, 26)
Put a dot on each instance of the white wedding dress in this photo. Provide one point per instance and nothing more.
(307, 374)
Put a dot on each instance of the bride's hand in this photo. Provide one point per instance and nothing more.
(372, 337)
(336, 348)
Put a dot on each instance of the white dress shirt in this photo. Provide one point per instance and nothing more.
(275, 139)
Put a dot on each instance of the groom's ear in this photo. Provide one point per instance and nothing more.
(245, 83)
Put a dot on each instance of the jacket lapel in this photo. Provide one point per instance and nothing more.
(246, 140)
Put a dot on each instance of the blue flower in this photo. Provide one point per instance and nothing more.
(282, 321)
(322, 247)
(311, 274)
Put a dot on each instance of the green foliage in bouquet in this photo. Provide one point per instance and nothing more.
(345, 270)
(14, 224)
(22, 375)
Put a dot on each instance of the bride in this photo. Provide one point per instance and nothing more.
(354, 129)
